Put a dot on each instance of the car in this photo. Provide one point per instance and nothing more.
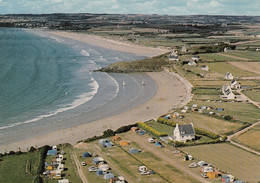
(151, 140)
(145, 173)
(204, 175)
(92, 169)
(193, 165)
(83, 163)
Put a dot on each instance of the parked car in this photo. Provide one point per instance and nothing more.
(92, 169)
(151, 140)
(83, 163)
(145, 173)
(193, 165)
(204, 175)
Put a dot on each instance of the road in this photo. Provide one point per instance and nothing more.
(166, 156)
(78, 165)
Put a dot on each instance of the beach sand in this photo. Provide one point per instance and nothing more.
(172, 91)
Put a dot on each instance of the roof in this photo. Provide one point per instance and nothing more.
(186, 129)
(52, 152)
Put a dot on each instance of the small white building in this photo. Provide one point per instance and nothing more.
(192, 63)
(257, 49)
(174, 56)
(204, 68)
(234, 85)
(227, 92)
(182, 133)
(229, 76)
(195, 57)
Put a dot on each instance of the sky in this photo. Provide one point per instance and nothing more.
(162, 7)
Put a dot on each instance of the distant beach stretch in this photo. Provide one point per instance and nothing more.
(149, 102)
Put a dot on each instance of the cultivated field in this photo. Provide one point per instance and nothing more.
(240, 163)
(245, 54)
(253, 94)
(248, 66)
(248, 138)
(224, 67)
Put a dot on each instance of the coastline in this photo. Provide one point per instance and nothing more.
(170, 88)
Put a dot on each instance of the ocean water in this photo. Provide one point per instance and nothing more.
(46, 80)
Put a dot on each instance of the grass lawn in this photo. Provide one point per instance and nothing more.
(223, 68)
(162, 128)
(205, 97)
(245, 112)
(253, 94)
(238, 162)
(248, 138)
(19, 168)
(206, 91)
(208, 123)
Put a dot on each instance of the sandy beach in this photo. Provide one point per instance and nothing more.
(172, 91)
(111, 44)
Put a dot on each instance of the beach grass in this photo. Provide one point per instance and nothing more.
(229, 158)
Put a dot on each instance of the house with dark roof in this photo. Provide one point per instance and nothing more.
(234, 85)
(182, 133)
(228, 76)
(227, 92)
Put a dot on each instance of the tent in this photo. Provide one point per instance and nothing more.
(124, 143)
(97, 160)
(134, 129)
(108, 176)
(213, 174)
(116, 138)
(103, 141)
(52, 152)
(158, 143)
(103, 167)
(86, 154)
(99, 172)
(108, 144)
(133, 151)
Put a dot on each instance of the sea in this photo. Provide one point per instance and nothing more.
(46, 80)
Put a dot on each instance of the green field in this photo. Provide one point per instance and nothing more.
(253, 94)
(218, 84)
(248, 138)
(224, 67)
(238, 162)
(162, 128)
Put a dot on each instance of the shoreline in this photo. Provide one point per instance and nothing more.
(170, 87)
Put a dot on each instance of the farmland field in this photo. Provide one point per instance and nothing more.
(216, 83)
(245, 54)
(224, 67)
(253, 94)
(245, 112)
(248, 137)
(215, 57)
(238, 162)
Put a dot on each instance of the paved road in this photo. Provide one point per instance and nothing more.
(78, 165)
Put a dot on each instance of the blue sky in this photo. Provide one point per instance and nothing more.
(170, 7)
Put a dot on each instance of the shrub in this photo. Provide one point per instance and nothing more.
(206, 133)
(150, 130)
(228, 117)
(166, 121)
(125, 128)
(106, 133)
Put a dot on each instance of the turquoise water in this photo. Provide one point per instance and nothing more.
(46, 80)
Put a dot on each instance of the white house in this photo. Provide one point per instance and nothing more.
(257, 49)
(227, 92)
(234, 85)
(174, 56)
(228, 76)
(204, 68)
(195, 57)
(182, 133)
(192, 63)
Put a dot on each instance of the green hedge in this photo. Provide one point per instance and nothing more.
(150, 130)
(182, 144)
(166, 122)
